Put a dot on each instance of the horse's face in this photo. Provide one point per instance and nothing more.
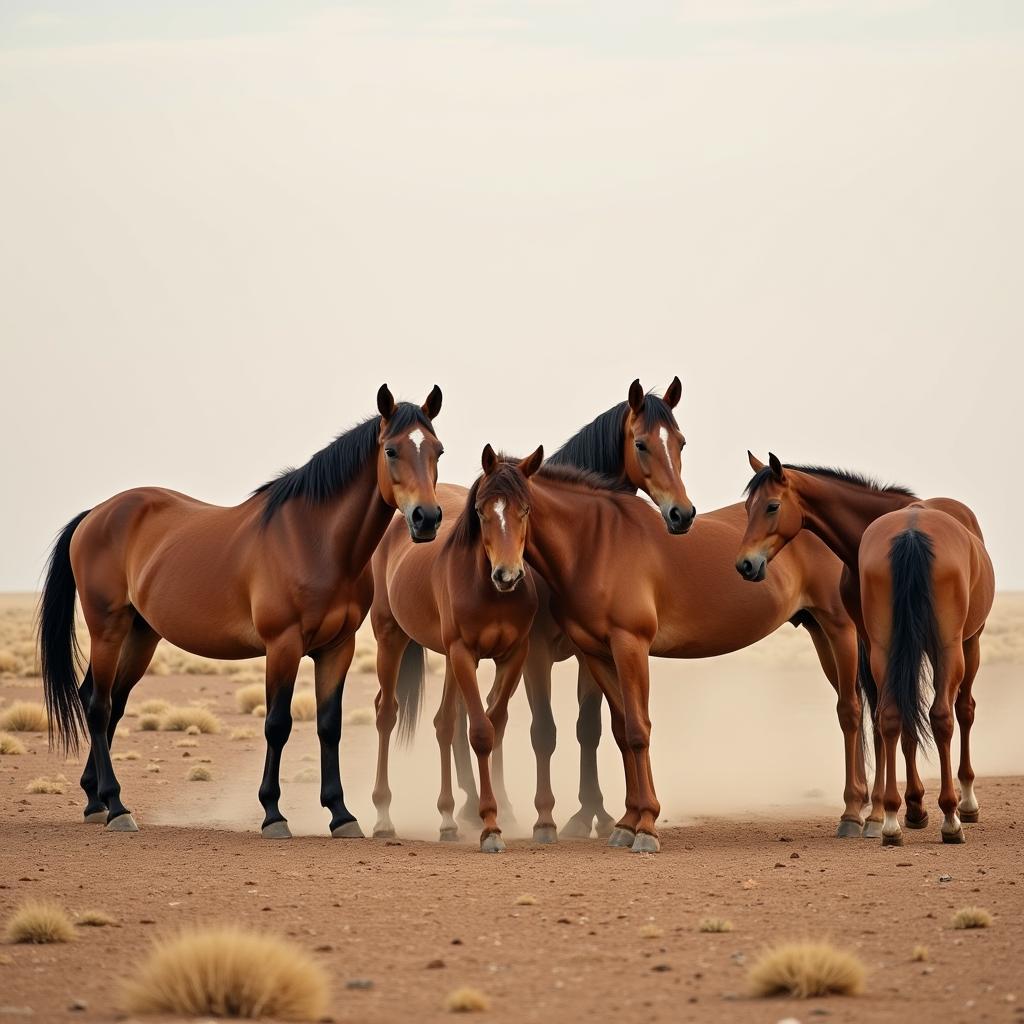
(774, 517)
(407, 465)
(653, 458)
(502, 506)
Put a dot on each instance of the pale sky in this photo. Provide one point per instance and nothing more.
(222, 226)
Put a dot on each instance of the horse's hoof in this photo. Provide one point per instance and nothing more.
(276, 830)
(872, 830)
(450, 835)
(350, 830)
(896, 840)
(971, 817)
(100, 818)
(546, 834)
(954, 837)
(909, 822)
(378, 833)
(604, 827)
(623, 838)
(849, 829)
(646, 843)
(122, 823)
(492, 843)
(575, 828)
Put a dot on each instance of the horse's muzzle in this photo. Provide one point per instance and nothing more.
(754, 569)
(678, 520)
(423, 522)
(506, 580)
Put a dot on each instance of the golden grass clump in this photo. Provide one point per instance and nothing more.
(95, 919)
(179, 720)
(260, 711)
(467, 1000)
(43, 785)
(227, 972)
(243, 734)
(714, 924)
(154, 706)
(249, 697)
(39, 921)
(920, 954)
(11, 744)
(153, 767)
(526, 900)
(651, 931)
(360, 716)
(972, 917)
(193, 730)
(199, 773)
(806, 970)
(8, 663)
(127, 755)
(303, 706)
(24, 716)
(149, 723)
(187, 743)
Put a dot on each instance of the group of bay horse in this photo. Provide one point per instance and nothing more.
(538, 561)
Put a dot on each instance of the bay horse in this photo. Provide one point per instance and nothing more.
(919, 584)
(621, 588)
(468, 597)
(282, 574)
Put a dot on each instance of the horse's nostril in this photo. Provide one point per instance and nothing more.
(746, 567)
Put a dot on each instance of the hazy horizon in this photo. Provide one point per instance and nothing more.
(224, 228)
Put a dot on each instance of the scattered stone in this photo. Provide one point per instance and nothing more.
(361, 984)
(794, 855)
(945, 878)
(78, 1005)
(661, 968)
(435, 965)
(325, 948)
(456, 942)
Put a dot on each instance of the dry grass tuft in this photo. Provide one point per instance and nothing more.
(11, 744)
(199, 773)
(180, 719)
(8, 663)
(467, 1000)
(526, 900)
(303, 706)
(52, 787)
(193, 730)
(95, 919)
(920, 954)
(249, 697)
(153, 767)
(39, 921)
(260, 711)
(149, 723)
(228, 972)
(186, 743)
(806, 970)
(127, 755)
(243, 734)
(651, 931)
(361, 716)
(714, 924)
(24, 716)
(972, 917)
(155, 706)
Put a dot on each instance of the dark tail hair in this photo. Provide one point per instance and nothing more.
(60, 657)
(411, 681)
(915, 633)
(869, 700)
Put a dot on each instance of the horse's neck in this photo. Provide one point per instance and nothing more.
(550, 541)
(354, 522)
(840, 513)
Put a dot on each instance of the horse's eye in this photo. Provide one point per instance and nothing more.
(772, 508)
(640, 446)
(391, 453)
(526, 511)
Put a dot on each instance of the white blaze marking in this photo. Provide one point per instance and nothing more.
(417, 438)
(664, 440)
(499, 511)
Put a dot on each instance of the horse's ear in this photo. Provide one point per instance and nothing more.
(777, 472)
(531, 463)
(673, 393)
(488, 460)
(755, 463)
(636, 396)
(385, 402)
(432, 406)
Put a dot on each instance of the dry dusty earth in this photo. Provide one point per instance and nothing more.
(386, 912)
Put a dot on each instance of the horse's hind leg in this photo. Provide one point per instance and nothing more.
(948, 677)
(330, 669)
(965, 704)
(494, 697)
(463, 757)
(915, 816)
(283, 656)
(444, 728)
(542, 738)
(391, 645)
(588, 735)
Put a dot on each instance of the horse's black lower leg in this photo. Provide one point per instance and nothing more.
(108, 789)
(277, 729)
(332, 796)
(94, 806)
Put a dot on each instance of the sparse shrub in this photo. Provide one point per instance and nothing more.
(153, 768)
(651, 931)
(41, 785)
(10, 744)
(303, 706)
(199, 773)
(154, 706)
(806, 970)
(714, 924)
(95, 919)
(249, 697)
(39, 921)
(467, 1000)
(8, 663)
(243, 734)
(24, 716)
(187, 743)
(149, 723)
(228, 972)
(920, 954)
(260, 711)
(360, 716)
(526, 900)
(127, 755)
(193, 730)
(179, 719)
(972, 917)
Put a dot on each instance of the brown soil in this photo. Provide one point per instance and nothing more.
(418, 919)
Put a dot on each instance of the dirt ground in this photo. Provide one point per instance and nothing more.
(417, 918)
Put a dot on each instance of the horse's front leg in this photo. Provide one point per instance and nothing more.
(508, 672)
(283, 656)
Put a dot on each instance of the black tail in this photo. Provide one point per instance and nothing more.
(59, 654)
(915, 634)
(411, 681)
(869, 699)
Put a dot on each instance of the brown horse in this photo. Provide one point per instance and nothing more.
(623, 589)
(468, 598)
(282, 574)
(919, 584)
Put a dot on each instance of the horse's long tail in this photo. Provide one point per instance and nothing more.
(915, 633)
(869, 698)
(411, 682)
(59, 653)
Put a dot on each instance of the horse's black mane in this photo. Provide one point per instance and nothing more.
(332, 468)
(598, 446)
(844, 475)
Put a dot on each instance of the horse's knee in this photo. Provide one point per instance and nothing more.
(328, 720)
(481, 737)
(849, 713)
(941, 719)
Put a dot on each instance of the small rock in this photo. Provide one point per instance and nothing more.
(435, 965)
(456, 942)
(779, 864)
(794, 855)
(361, 984)
(661, 968)
(392, 842)
(785, 839)
(78, 1005)
(325, 948)
(945, 878)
